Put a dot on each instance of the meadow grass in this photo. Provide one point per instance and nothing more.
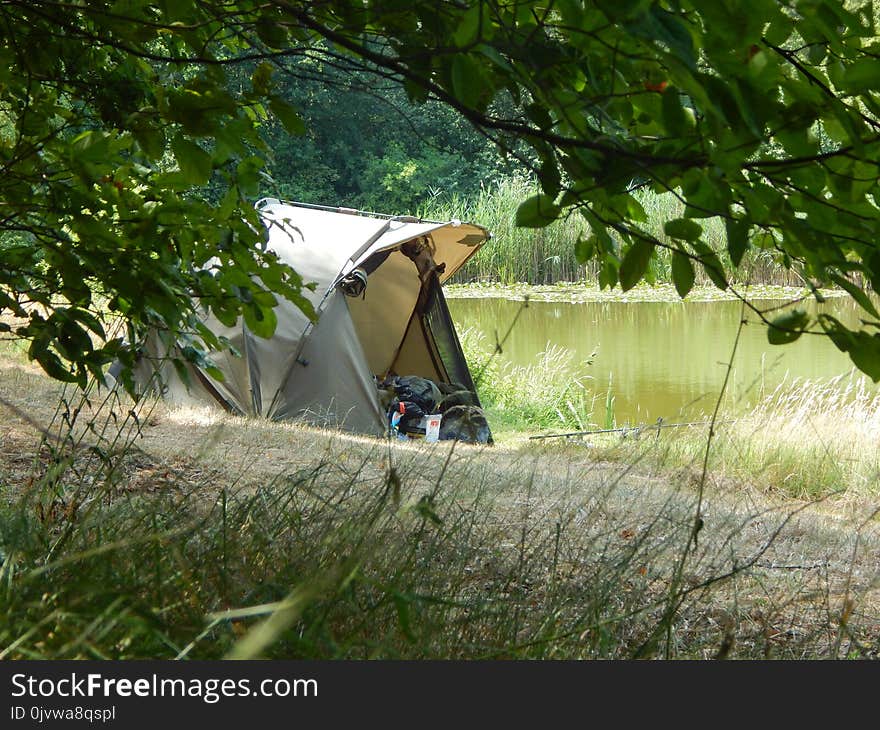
(173, 533)
(546, 255)
(361, 563)
(805, 439)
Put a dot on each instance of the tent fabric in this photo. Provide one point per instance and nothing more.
(338, 237)
(330, 384)
(383, 314)
(325, 372)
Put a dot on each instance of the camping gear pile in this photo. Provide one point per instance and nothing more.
(411, 402)
(379, 309)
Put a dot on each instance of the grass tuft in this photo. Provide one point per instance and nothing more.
(554, 391)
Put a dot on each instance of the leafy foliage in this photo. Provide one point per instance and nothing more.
(760, 113)
(107, 128)
(367, 146)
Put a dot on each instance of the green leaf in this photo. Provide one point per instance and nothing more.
(287, 115)
(539, 115)
(537, 212)
(182, 371)
(50, 362)
(91, 146)
(272, 34)
(89, 320)
(873, 269)
(711, 264)
(248, 175)
(584, 248)
(780, 28)
(683, 228)
(662, 26)
(214, 372)
(415, 92)
(862, 348)
(620, 9)
(261, 78)
(865, 354)
(682, 273)
(787, 327)
(674, 117)
(550, 177)
(856, 293)
(150, 137)
(634, 263)
(861, 75)
(572, 12)
(194, 162)
(737, 239)
(260, 320)
(469, 26)
(467, 81)
(608, 272)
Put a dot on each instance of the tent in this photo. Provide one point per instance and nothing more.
(380, 312)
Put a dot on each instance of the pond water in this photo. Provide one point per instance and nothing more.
(661, 359)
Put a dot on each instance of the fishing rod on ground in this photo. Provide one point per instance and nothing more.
(629, 429)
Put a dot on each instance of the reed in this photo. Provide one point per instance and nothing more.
(546, 255)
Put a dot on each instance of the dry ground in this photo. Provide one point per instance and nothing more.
(765, 570)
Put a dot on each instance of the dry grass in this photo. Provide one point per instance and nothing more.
(805, 439)
(820, 437)
(191, 533)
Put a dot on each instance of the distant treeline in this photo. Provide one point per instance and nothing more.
(367, 146)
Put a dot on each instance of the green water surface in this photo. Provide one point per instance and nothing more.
(662, 359)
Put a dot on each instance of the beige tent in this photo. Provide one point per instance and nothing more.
(323, 371)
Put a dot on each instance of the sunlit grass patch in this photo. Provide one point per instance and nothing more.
(805, 439)
(811, 438)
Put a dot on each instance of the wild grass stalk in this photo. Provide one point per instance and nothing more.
(554, 391)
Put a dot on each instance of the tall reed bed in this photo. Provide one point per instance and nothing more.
(546, 255)
(536, 256)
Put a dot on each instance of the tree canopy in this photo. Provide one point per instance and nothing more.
(130, 135)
